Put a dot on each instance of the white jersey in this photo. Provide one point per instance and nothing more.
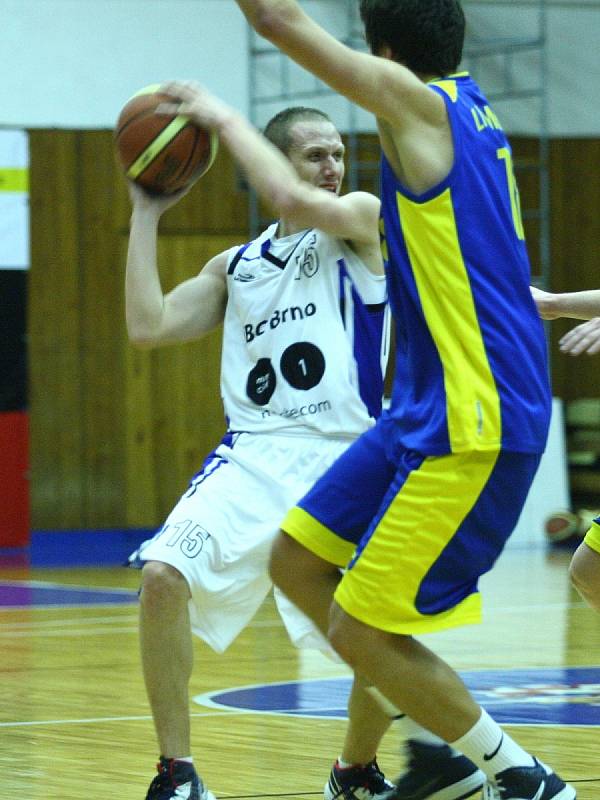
(305, 339)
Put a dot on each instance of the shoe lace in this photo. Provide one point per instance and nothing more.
(161, 781)
(368, 777)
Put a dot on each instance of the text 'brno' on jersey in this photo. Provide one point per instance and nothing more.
(305, 337)
(471, 347)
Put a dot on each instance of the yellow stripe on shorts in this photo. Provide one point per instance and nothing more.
(317, 538)
(382, 586)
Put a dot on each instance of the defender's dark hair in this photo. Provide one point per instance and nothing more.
(278, 128)
(427, 36)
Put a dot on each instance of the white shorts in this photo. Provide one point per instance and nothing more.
(219, 534)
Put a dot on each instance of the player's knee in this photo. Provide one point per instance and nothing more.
(162, 585)
(344, 636)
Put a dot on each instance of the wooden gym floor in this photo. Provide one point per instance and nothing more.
(74, 721)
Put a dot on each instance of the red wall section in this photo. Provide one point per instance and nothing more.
(14, 482)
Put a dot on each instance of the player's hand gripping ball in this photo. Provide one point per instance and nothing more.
(162, 153)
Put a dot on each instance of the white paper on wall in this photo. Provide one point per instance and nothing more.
(14, 199)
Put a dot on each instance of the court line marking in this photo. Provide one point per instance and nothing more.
(217, 710)
(288, 713)
(48, 623)
(67, 634)
(488, 611)
(65, 606)
(225, 796)
(59, 585)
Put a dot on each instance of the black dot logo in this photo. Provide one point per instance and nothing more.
(302, 365)
(261, 382)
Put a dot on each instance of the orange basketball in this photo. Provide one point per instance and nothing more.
(161, 153)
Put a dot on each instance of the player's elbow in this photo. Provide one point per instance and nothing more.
(273, 21)
(141, 336)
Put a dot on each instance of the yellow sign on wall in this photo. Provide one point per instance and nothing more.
(14, 199)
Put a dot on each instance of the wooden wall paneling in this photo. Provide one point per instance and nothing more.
(203, 416)
(141, 507)
(169, 377)
(103, 336)
(574, 234)
(173, 411)
(97, 457)
(579, 207)
(217, 204)
(54, 328)
(575, 197)
(526, 164)
(116, 433)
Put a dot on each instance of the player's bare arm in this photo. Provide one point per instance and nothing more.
(387, 89)
(353, 217)
(190, 310)
(415, 131)
(577, 305)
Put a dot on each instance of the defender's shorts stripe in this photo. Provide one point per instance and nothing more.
(387, 582)
(592, 537)
(307, 530)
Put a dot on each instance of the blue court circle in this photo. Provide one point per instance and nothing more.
(535, 696)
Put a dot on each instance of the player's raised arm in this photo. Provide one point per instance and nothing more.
(190, 310)
(302, 185)
(376, 82)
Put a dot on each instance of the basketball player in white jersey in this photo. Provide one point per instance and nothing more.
(304, 348)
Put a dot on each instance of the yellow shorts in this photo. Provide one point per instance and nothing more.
(418, 531)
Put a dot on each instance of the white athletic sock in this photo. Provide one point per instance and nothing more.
(187, 759)
(491, 748)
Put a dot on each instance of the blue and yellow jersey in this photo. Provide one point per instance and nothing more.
(471, 349)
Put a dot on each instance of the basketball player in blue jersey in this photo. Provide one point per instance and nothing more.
(584, 570)
(304, 344)
(443, 476)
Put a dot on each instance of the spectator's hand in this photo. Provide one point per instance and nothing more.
(584, 338)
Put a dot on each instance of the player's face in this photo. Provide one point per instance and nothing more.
(317, 154)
